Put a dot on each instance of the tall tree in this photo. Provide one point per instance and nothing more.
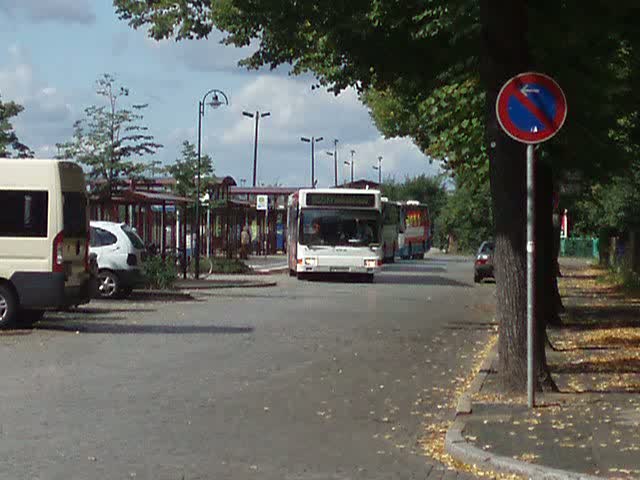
(111, 138)
(429, 54)
(10, 145)
(466, 218)
(185, 170)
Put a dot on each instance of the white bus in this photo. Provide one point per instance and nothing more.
(334, 231)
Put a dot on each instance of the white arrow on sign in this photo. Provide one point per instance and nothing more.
(525, 90)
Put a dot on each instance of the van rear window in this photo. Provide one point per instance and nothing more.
(24, 213)
(74, 214)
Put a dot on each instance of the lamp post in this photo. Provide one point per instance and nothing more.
(333, 154)
(351, 163)
(335, 159)
(312, 141)
(257, 116)
(214, 103)
(379, 169)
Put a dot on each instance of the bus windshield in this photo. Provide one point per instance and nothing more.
(339, 227)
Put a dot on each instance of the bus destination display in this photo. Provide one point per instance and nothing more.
(340, 200)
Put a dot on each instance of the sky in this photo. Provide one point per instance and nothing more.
(53, 51)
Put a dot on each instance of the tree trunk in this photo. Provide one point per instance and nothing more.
(505, 54)
(546, 312)
(546, 286)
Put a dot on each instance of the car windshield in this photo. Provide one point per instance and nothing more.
(339, 227)
(486, 248)
(133, 236)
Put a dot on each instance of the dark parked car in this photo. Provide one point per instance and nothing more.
(483, 266)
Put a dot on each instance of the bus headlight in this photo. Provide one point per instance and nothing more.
(311, 261)
(372, 263)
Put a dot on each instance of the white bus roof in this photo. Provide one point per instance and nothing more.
(338, 190)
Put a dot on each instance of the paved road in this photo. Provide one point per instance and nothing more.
(303, 381)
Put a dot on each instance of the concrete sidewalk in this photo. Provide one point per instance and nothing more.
(592, 427)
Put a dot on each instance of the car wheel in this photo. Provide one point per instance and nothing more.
(292, 273)
(28, 318)
(477, 278)
(109, 284)
(8, 307)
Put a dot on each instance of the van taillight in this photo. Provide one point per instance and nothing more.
(58, 258)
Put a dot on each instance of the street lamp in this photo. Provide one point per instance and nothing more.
(379, 169)
(335, 160)
(214, 103)
(257, 116)
(351, 163)
(312, 141)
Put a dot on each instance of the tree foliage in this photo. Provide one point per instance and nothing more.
(10, 145)
(111, 138)
(467, 219)
(185, 170)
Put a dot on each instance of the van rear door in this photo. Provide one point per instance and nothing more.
(74, 217)
(75, 225)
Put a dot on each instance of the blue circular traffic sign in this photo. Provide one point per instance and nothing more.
(531, 108)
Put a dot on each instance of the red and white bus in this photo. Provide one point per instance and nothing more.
(416, 239)
(334, 230)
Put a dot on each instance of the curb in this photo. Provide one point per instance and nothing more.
(456, 445)
(230, 285)
(166, 295)
(465, 405)
(271, 271)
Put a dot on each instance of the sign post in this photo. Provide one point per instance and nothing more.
(262, 203)
(531, 108)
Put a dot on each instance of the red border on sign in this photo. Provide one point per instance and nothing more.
(511, 88)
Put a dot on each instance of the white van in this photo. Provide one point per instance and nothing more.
(44, 239)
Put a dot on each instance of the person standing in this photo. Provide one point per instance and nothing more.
(245, 242)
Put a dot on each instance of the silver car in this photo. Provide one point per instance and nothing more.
(119, 254)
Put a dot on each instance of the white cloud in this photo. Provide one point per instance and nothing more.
(204, 55)
(65, 11)
(47, 116)
(296, 111)
(400, 157)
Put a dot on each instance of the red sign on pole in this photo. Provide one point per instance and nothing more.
(531, 108)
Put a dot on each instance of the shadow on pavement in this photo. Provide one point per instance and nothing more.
(115, 328)
(391, 279)
(599, 317)
(413, 268)
(101, 310)
(615, 365)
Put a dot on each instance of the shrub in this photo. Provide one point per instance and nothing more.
(225, 265)
(160, 274)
